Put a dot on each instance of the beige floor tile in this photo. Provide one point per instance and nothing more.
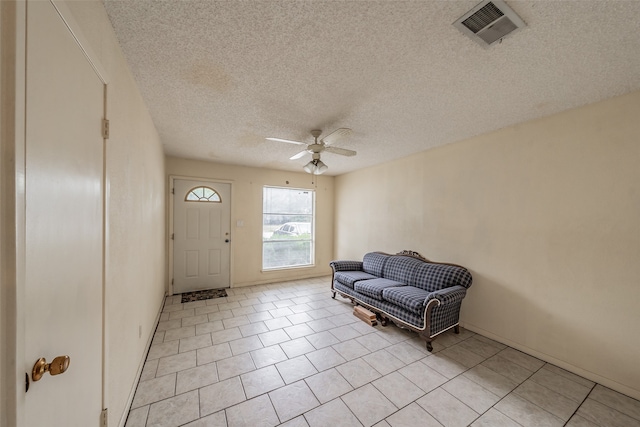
(295, 369)
(220, 315)
(205, 328)
(149, 370)
(471, 394)
(555, 403)
(351, 349)
(506, 368)
(281, 312)
(604, 415)
(444, 365)
(176, 334)
(234, 322)
(448, 410)
(182, 313)
(261, 381)
(529, 362)
(490, 380)
(569, 375)
(299, 330)
(384, 362)
(358, 372)
(328, 385)
(407, 352)
(277, 323)
(293, 400)
(412, 416)
(256, 412)
(175, 411)
(482, 348)
(297, 347)
(373, 342)
(344, 333)
(299, 318)
(493, 418)
(225, 335)
(334, 413)
(178, 362)
(221, 395)
(137, 417)
(578, 421)
(321, 324)
(423, 376)
(245, 345)
(617, 401)
(325, 358)
(384, 423)
(234, 366)
(194, 343)
(207, 355)
(465, 357)
(244, 310)
(273, 337)
(561, 384)
(207, 309)
(260, 316)
(253, 329)
(169, 324)
(194, 378)
(214, 420)
(154, 390)
(526, 413)
(369, 405)
(195, 320)
(398, 389)
(322, 339)
(268, 356)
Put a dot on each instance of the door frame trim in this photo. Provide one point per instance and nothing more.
(170, 207)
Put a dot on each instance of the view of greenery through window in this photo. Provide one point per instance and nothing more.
(287, 227)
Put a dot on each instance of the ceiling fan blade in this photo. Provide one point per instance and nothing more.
(336, 135)
(297, 156)
(286, 140)
(341, 151)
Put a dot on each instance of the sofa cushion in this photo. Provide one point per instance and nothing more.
(348, 278)
(407, 297)
(373, 262)
(433, 277)
(374, 287)
(401, 268)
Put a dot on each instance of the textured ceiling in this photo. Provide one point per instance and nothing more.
(220, 76)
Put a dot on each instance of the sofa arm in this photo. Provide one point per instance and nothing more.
(346, 265)
(446, 296)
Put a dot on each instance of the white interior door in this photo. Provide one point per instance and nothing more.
(201, 227)
(64, 218)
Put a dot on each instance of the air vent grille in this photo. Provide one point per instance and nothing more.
(489, 22)
(482, 18)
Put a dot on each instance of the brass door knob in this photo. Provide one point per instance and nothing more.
(59, 365)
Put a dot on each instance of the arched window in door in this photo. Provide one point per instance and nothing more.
(203, 194)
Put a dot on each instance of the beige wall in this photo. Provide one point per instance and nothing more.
(246, 201)
(135, 251)
(545, 214)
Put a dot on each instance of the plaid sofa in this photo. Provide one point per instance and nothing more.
(407, 289)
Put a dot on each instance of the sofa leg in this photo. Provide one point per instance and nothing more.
(383, 320)
(456, 329)
(334, 295)
(429, 346)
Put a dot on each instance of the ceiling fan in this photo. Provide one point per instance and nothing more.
(317, 166)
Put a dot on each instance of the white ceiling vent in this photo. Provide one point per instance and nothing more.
(490, 21)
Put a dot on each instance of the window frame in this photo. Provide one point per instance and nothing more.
(312, 240)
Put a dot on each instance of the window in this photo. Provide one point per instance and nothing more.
(202, 194)
(287, 227)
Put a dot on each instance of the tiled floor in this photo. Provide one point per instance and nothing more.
(287, 354)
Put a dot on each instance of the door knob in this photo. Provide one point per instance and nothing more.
(59, 365)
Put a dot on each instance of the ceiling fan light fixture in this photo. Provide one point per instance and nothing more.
(315, 167)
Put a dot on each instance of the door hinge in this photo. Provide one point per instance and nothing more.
(173, 191)
(104, 422)
(172, 281)
(173, 236)
(105, 128)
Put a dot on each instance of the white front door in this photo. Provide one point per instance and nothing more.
(201, 228)
(64, 217)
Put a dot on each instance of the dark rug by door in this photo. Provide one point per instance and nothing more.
(202, 295)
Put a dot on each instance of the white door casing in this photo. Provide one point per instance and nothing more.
(201, 238)
(64, 223)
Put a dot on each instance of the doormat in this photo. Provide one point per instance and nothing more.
(202, 295)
